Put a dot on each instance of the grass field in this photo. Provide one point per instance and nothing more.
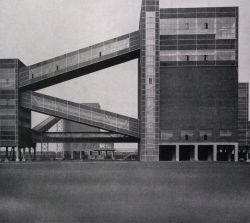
(125, 192)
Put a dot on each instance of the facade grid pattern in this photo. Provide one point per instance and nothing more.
(149, 81)
(199, 37)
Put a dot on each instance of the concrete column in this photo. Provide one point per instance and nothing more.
(72, 155)
(195, 152)
(34, 153)
(177, 152)
(215, 152)
(236, 150)
(17, 154)
(80, 155)
(30, 158)
(63, 155)
(24, 150)
(112, 155)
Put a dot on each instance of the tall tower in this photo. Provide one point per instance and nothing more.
(149, 86)
(15, 122)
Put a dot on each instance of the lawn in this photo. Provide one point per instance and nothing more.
(125, 192)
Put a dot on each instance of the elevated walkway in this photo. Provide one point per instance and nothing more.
(80, 113)
(80, 62)
(46, 124)
(81, 137)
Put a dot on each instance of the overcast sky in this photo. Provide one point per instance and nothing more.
(36, 30)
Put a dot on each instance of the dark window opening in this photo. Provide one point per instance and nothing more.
(205, 57)
(205, 137)
(205, 25)
(186, 137)
(57, 67)
(150, 81)
(32, 76)
(90, 153)
(100, 54)
(187, 58)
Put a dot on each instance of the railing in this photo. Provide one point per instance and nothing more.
(80, 113)
(79, 59)
(46, 124)
(76, 137)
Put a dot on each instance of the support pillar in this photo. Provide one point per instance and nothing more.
(112, 155)
(236, 150)
(63, 155)
(196, 152)
(80, 155)
(215, 152)
(72, 155)
(177, 157)
(17, 154)
(30, 158)
(23, 158)
(34, 153)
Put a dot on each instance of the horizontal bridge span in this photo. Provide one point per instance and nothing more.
(80, 113)
(80, 62)
(46, 124)
(81, 137)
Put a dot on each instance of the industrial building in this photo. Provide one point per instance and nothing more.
(84, 151)
(191, 105)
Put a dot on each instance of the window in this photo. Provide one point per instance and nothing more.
(166, 134)
(206, 25)
(57, 67)
(205, 57)
(187, 134)
(150, 81)
(100, 54)
(205, 134)
(187, 57)
(225, 55)
(226, 133)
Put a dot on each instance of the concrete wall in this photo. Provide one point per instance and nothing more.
(199, 98)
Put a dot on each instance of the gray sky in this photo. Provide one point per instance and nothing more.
(36, 30)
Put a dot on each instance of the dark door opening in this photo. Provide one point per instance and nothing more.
(167, 153)
(225, 153)
(186, 152)
(205, 152)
